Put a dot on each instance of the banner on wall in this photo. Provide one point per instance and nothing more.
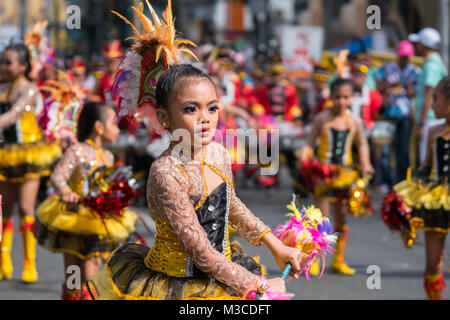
(301, 48)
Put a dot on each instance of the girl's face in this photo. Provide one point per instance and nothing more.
(342, 98)
(109, 130)
(10, 66)
(441, 104)
(193, 106)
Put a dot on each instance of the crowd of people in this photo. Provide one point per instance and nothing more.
(63, 130)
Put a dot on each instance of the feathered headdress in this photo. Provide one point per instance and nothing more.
(62, 108)
(156, 49)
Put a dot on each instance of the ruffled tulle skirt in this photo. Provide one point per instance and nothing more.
(429, 203)
(126, 277)
(331, 188)
(20, 162)
(81, 231)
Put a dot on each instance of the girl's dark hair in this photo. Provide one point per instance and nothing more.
(444, 87)
(340, 82)
(91, 112)
(168, 79)
(24, 56)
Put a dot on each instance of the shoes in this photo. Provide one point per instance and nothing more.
(338, 264)
(6, 267)
(433, 285)
(70, 294)
(29, 274)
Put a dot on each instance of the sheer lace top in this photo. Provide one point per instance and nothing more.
(22, 95)
(176, 188)
(77, 164)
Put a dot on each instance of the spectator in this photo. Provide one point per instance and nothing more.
(434, 70)
(397, 81)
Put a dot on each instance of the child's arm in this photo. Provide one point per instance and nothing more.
(168, 194)
(308, 149)
(63, 171)
(363, 147)
(432, 133)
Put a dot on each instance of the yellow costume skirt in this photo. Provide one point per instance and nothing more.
(81, 231)
(339, 187)
(429, 204)
(21, 162)
(126, 277)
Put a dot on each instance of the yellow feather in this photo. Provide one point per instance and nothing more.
(184, 41)
(154, 15)
(146, 22)
(169, 56)
(189, 52)
(126, 20)
(158, 52)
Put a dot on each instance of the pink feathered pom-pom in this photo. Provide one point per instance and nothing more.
(263, 293)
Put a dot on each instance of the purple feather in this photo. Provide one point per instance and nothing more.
(122, 76)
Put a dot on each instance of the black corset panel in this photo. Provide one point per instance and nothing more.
(10, 132)
(339, 145)
(443, 157)
(212, 216)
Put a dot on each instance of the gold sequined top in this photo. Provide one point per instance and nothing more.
(175, 188)
(22, 97)
(77, 164)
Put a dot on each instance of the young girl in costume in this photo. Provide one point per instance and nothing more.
(429, 198)
(337, 128)
(24, 156)
(66, 225)
(190, 190)
(193, 203)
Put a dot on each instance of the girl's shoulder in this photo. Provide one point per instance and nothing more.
(354, 119)
(76, 148)
(438, 130)
(25, 86)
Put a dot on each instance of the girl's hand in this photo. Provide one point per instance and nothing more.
(277, 284)
(295, 257)
(70, 197)
(284, 254)
(367, 169)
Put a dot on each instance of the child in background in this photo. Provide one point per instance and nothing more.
(337, 128)
(63, 224)
(429, 199)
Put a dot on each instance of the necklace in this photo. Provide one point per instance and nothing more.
(99, 151)
(213, 168)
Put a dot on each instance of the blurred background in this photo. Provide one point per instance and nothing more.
(250, 26)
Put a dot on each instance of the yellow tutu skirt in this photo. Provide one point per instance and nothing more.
(20, 162)
(429, 203)
(126, 277)
(339, 187)
(81, 232)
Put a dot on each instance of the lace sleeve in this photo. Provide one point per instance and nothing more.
(240, 217)
(167, 194)
(23, 99)
(64, 169)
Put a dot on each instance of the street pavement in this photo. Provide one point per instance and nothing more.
(370, 247)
